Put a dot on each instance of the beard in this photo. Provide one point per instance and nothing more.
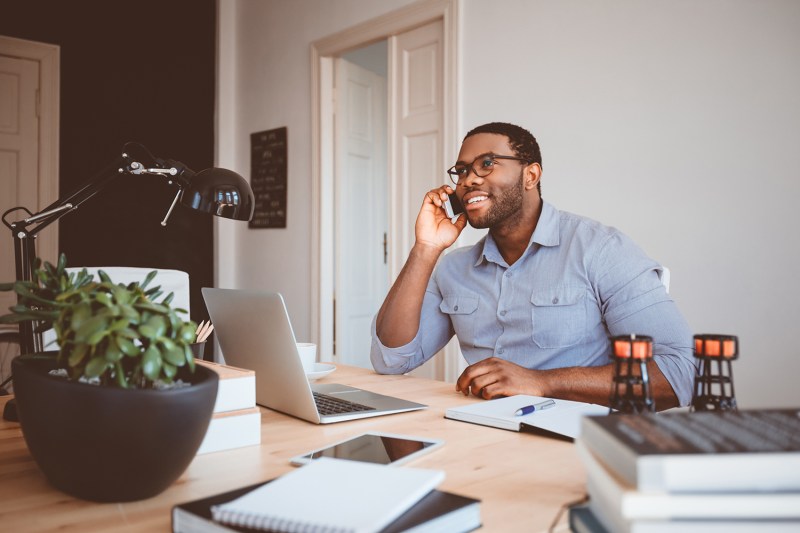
(503, 209)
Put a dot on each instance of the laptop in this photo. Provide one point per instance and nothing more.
(254, 332)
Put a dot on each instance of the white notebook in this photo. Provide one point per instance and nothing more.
(564, 418)
(331, 495)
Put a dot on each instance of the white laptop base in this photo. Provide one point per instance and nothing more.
(254, 331)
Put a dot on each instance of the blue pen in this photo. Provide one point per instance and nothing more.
(528, 409)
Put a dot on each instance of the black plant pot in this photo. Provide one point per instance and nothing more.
(106, 444)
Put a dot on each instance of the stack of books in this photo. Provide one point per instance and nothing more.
(704, 471)
(236, 421)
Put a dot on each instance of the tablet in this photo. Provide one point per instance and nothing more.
(374, 447)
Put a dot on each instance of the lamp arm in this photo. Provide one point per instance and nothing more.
(135, 159)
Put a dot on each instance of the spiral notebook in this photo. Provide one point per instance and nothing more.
(331, 495)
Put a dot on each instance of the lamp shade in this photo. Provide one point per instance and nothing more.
(221, 192)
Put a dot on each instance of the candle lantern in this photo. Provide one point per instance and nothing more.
(630, 391)
(713, 381)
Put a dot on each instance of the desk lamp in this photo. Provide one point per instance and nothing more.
(216, 191)
(631, 383)
(713, 381)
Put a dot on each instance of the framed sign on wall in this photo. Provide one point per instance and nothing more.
(268, 178)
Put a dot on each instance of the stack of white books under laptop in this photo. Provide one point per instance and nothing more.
(720, 471)
(236, 421)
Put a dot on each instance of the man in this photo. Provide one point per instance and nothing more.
(534, 302)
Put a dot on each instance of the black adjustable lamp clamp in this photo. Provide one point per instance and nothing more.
(216, 191)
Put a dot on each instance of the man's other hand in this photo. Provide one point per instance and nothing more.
(494, 378)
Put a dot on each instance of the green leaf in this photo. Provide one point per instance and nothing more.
(96, 367)
(77, 354)
(174, 355)
(148, 331)
(151, 363)
(153, 308)
(95, 338)
(104, 277)
(153, 294)
(169, 371)
(113, 352)
(167, 343)
(187, 334)
(148, 279)
(89, 327)
(119, 325)
(187, 353)
(126, 346)
(104, 298)
(121, 294)
(119, 374)
(80, 314)
(128, 333)
(62, 262)
(168, 299)
(158, 323)
(130, 313)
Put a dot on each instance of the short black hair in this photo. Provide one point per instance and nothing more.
(519, 139)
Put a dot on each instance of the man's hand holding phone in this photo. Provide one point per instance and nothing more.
(434, 226)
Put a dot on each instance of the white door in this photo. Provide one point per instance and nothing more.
(361, 213)
(19, 155)
(417, 74)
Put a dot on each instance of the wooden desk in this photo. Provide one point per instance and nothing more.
(522, 479)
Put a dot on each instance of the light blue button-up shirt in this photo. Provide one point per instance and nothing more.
(578, 283)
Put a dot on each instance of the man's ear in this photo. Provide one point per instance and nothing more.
(532, 175)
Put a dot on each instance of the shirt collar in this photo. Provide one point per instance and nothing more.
(545, 234)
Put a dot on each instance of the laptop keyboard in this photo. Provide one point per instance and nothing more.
(328, 405)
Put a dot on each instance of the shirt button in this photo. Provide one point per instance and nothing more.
(456, 308)
(555, 300)
(508, 274)
(503, 313)
(501, 350)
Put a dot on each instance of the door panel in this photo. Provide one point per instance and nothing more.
(417, 74)
(361, 219)
(19, 154)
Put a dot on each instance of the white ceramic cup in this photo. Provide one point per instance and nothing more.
(308, 355)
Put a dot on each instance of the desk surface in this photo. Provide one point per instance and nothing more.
(522, 479)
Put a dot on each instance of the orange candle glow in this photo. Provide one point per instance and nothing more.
(642, 349)
(622, 349)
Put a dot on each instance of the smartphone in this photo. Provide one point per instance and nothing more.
(374, 447)
(453, 206)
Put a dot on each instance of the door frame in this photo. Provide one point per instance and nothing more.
(322, 215)
(48, 56)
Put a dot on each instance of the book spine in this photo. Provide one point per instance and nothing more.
(234, 429)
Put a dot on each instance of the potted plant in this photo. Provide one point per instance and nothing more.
(119, 411)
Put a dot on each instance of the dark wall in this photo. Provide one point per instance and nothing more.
(131, 71)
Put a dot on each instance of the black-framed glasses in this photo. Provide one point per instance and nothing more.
(460, 171)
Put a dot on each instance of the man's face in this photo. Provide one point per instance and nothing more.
(497, 198)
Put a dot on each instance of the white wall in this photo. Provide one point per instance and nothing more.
(679, 123)
(271, 49)
(676, 122)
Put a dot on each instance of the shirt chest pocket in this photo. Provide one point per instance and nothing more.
(559, 316)
(462, 309)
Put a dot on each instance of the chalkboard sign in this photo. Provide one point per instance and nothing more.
(268, 178)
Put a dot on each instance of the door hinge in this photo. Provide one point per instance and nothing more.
(385, 248)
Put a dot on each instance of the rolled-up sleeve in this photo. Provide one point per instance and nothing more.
(635, 301)
(433, 333)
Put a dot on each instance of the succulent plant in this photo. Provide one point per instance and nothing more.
(117, 334)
